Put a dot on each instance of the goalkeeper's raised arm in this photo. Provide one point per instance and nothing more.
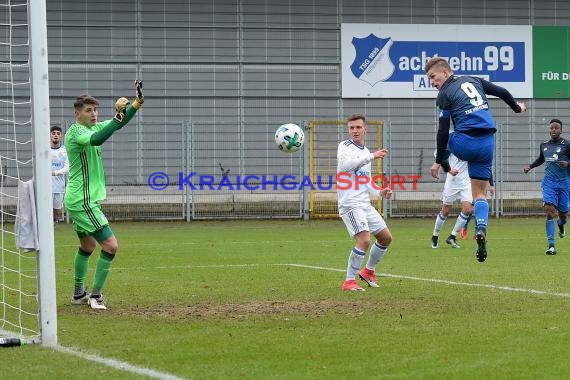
(124, 113)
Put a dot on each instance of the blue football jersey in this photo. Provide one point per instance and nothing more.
(554, 151)
(464, 100)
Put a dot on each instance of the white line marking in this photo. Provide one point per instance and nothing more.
(447, 282)
(117, 364)
(434, 280)
(254, 242)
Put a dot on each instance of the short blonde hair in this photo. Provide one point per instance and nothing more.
(437, 62)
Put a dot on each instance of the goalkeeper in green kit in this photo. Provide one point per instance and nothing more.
(86, 189)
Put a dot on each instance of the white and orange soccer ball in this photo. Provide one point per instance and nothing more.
(289, 138)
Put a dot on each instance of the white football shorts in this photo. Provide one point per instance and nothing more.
(363, 219)
(450, 195)
(58, 201)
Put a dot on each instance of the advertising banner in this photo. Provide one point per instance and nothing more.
(387, 60)
(551, 62)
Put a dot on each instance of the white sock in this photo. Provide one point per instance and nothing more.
(376, 253)
(439, 220)
(355, 260)
(459, 223)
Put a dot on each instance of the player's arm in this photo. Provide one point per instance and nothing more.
(376, 191)
(444, 123)
(442, 140)
(125, 112)
(504, 94)
(539, 161)
(347, 164)
(442, 137)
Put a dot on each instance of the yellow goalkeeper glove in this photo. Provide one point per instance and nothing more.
(139, 100)
(120, 106)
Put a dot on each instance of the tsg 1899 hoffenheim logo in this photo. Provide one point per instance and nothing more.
(372, 63)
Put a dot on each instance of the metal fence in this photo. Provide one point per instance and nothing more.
(411, 153)
(211, 170)
(200, 170)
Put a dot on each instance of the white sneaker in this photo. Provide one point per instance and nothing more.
(97, 303)
(81, 300)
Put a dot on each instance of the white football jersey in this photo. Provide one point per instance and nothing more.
(60, 165)
(352, 161)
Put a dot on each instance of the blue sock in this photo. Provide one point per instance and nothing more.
(481, 211)
(550, 231)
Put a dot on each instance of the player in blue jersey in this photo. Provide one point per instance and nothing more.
(555, 153)
(463, 100)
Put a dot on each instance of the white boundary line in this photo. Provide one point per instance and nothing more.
(447, 282)
(117, 364)
(253, 242)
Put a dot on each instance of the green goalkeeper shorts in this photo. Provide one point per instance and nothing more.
(90, 221)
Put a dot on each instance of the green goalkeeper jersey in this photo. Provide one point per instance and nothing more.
(86, 178)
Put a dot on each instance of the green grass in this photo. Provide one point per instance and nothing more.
(212, 300)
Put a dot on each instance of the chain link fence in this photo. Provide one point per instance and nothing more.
(211, 170)
(412, 146)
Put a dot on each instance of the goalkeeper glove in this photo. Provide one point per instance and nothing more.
(120, 106)
(139, 100)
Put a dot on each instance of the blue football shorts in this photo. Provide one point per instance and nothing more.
(477, 151)
(555, 195)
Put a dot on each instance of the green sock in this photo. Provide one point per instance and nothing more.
(81, 265)
(102, 271)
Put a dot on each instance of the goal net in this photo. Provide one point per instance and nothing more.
(27, 276)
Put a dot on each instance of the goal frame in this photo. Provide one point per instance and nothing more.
(313, 127)
(38, 55)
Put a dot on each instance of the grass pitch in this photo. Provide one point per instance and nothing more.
(262, 299)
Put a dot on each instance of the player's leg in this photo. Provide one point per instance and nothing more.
(480, 204)
(92, 227)
(57, 199)
(460, 222)
(357, 227)
(440, 220)
(81, 259)
(550, 201)
(550, 212)
(109, 247)
(478, 152)
(383, 239)
(562, 218)
(481, 212)
(466, 226)
(80, 267)
(563, 198)
(480, 165)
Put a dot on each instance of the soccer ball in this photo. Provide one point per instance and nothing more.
(289, 138)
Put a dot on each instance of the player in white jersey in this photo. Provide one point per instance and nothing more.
(360, 217)
(59, 170)
(457, 188)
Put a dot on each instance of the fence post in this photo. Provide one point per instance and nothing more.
(305, 171)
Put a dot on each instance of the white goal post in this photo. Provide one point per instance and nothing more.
(27, 279)
(42, 170)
